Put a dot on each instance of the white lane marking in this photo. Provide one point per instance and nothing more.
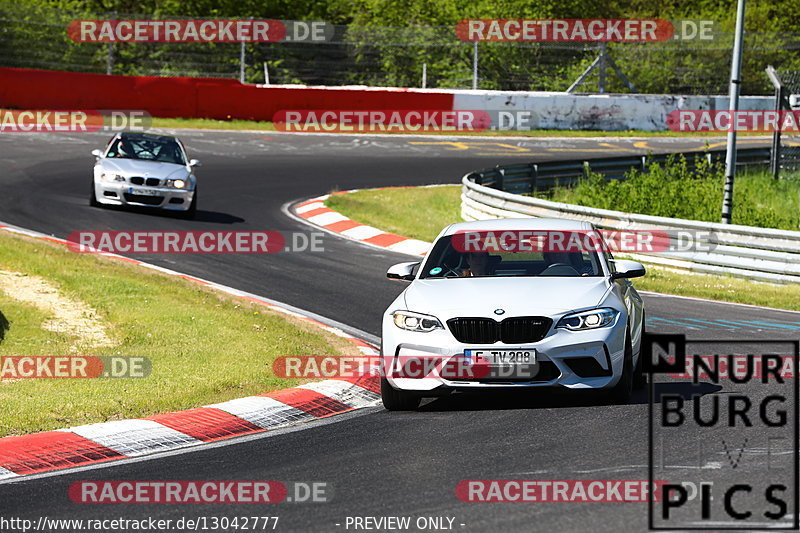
(6, 474)
(344, 392)
(326, 219)
(366, 350)
(262, 411)
(360, 233)
(410, 246)
(134, 437)
(310, 207)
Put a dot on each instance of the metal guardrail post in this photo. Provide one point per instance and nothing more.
(534, 177)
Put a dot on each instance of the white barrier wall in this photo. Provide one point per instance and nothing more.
(610, 112)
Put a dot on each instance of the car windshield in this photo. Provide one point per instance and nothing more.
(445, 261)
(165, 150)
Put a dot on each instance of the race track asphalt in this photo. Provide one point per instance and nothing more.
(376, 463)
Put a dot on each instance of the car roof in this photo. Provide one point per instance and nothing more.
(518, 224)
(147, 136)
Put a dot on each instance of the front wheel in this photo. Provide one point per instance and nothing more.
(639, 379)
(622, 391)
(93, 197)
(398, 400)
(192, 211)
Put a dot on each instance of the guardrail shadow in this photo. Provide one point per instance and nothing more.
(488, 400)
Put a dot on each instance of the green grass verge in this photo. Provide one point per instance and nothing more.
(399, 211)
(675, 191)
(204, 346)
(416, 212)
(207, 123)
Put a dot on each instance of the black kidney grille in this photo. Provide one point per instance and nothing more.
(518, 329)
(474, 330)
(137, 180)
(512, 330)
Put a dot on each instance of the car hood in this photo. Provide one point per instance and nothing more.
(448, 298)
(141, 167)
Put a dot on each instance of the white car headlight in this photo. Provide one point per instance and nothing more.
(412, 321)
(178, 184)
(592, 319)
(111, 177)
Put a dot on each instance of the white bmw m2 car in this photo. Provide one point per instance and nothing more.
(142, 169)
(534, 311)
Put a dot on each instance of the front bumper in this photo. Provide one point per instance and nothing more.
(591, 359)
(121, 193)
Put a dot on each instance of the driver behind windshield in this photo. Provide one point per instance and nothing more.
(478, 264)
(122, 148)
(573, 260)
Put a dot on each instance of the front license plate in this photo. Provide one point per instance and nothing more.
(503, 357)
(144, 192)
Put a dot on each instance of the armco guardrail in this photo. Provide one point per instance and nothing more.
(540, 176)
(743, 251)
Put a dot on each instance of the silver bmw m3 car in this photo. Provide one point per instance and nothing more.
(143, 169)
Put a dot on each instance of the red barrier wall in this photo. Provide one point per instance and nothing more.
(193, 97)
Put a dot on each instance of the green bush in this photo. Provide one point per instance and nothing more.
(680, 190)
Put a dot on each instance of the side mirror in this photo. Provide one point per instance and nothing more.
(97, 153)
(194, 163)
(627, 269)
(402, 271)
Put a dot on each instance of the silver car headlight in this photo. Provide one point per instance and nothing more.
(411, 321)
(592, 319)
(178, 184)
(111, 177)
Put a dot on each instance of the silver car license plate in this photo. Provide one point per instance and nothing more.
(503, 357)
(144, 192)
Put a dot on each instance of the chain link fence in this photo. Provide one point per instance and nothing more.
(431, 56)
(785, 161)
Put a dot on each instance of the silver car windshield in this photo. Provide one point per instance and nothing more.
(445, 261)
(163, 150)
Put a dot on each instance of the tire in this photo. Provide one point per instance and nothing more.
(398, 400)
(93, 197)
(622, 391)
(639, 379)
(190, 213)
